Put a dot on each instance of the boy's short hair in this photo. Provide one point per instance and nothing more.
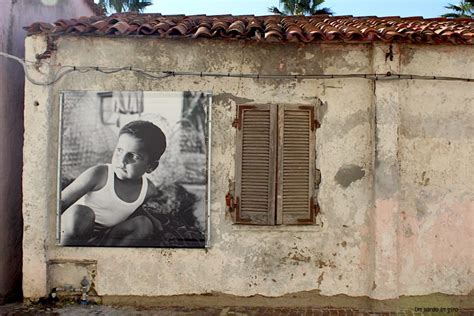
(151, 135)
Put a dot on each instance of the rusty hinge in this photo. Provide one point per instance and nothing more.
(316, 124)
(238, 216)
(314, 121)
(233, 206)
(313, 212)
(237, 123)
(314, 208)
(231, 202)
(317, 178)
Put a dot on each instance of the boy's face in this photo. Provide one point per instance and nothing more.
(130, 160)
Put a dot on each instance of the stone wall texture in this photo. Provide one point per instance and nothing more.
(396, 193)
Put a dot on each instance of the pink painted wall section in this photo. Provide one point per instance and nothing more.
(14, 15)
(436, 150)
(386, 252)
(437, 249)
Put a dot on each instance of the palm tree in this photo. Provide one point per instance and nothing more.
(123, 5)
(300, 7)
(465, 9)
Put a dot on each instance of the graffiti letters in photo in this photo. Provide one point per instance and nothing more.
(133, 169)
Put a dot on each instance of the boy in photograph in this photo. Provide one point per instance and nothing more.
(96, 207)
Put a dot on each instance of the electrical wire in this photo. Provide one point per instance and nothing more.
(157, 74)
(57, 77)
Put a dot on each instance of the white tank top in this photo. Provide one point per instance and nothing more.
(109, 209)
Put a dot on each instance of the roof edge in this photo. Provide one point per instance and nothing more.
(274, 28)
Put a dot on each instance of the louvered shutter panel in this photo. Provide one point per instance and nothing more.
(255, 165)
(296, 160)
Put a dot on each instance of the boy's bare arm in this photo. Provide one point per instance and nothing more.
(92, 179)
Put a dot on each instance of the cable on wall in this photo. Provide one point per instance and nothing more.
(158, 74)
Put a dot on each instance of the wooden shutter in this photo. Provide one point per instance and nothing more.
(255, 165)
(296, 159)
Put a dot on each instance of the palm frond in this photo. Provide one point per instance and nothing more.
(110, 6)
(138, 5)
(453, 7)
(275, 10)
(327, 11)
(450, 15)
(300, 7)
(465, 9)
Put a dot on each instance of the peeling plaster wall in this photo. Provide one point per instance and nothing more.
(355, 250)
(436, 148)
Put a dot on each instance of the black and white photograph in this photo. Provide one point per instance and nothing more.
(133, 169)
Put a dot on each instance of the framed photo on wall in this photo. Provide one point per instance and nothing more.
(133, 169)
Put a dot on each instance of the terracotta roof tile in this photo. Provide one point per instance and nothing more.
(318, 28)
(202, 31)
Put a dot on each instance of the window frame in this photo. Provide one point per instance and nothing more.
(276, 214)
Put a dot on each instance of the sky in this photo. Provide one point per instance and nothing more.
(403, 8)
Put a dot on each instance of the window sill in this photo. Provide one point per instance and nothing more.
(278, 228)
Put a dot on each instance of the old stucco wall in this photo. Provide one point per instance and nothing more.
(355, 249)
(14, 15)
(436, 150)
